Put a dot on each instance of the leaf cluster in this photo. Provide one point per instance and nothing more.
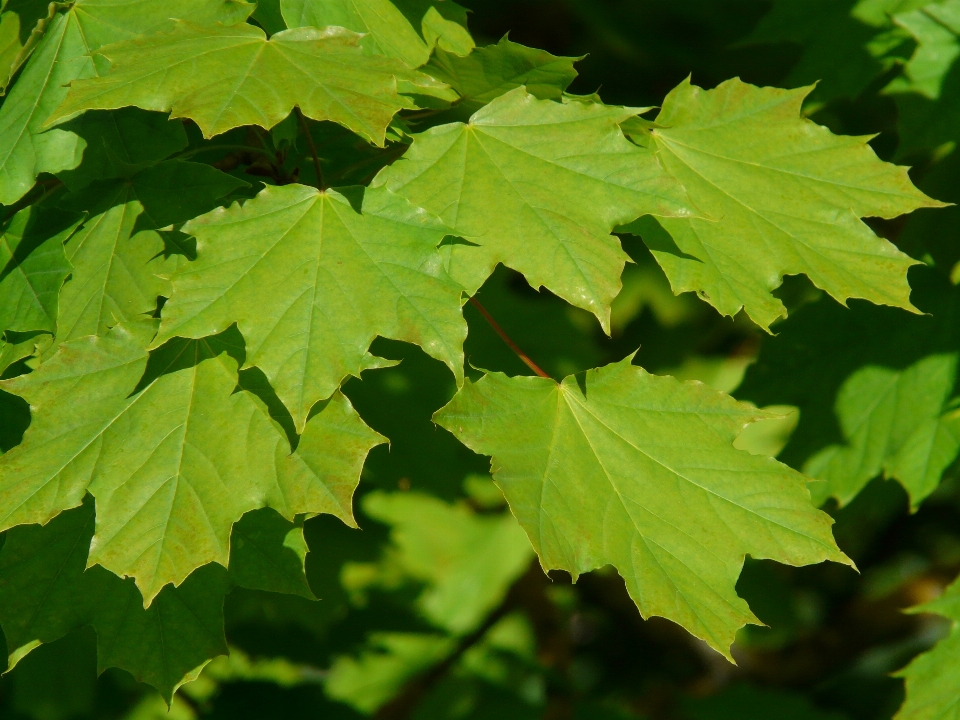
(270, 272)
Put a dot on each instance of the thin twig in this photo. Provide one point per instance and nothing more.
(506, 338)
(233, 148)
(403, 705)
(313, 148)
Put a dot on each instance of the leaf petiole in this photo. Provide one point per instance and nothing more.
(506, 338)
(312, 146)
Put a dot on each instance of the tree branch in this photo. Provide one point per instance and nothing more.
(403, 705)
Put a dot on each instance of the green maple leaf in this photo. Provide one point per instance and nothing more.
(491, 71)
(33, 345)
(874, 388)
(408, 31)
(926, 92)
(47, 591)
(120, 143)
(64, 55)
(33, 267)
(10, 46)
(216, 76)
(731, 145)
(467, 561)
(172, 464)
(538, 185)
(117, 257)
(390, 33)
(443, 24)
(935, 28)
(311, 282)
(388, 662)
(268, 552)
(29, 19)
(846, 43)
(931, 679)
(625, 468)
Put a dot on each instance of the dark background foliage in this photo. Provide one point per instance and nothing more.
(833, 635)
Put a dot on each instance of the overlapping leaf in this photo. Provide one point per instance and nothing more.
(33, 267)
(27, 148)
(538, 185)
(926, 92)
(119, 144)
(845, 43)
(931, 679)
(873, 386)
(10, 46)
(730, 147)
(467, 561)
(491, 71)
(225, 77)
(390, 33)
(117, 258)
(388, 662)
(46, 592)
(172, 463)
(311, 281)
(625, 468)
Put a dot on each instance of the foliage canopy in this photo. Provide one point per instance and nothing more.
(265, 266)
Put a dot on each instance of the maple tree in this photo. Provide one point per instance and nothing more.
(274, 272)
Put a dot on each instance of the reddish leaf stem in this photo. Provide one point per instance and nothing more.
(506, 338)
(313, 148)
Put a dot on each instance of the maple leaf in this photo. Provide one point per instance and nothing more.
(64, 55)
(467, 561)
(491, 71)
(387, 662)
(10, 46)
(874, 387)
(562, 175)
(268, 552)
(926, 91)
(728, 147)
(33, 267)
(389, 31)
(172, 464)
(930, 678)
(310, 282)
(117, 259)
(845, 43)
(637, 471)
(407, 30)
(47, 591)
(122, 143)
(217, 76)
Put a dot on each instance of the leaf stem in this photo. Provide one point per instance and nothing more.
(506, 338)
(313, 148)
(234, 148)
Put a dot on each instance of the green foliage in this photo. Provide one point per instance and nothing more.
(64, 55)
(563, 176)
(931, 678)
(600, 479)
(728, 147)
(293, 254)
(270, 273)
(871, 401)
